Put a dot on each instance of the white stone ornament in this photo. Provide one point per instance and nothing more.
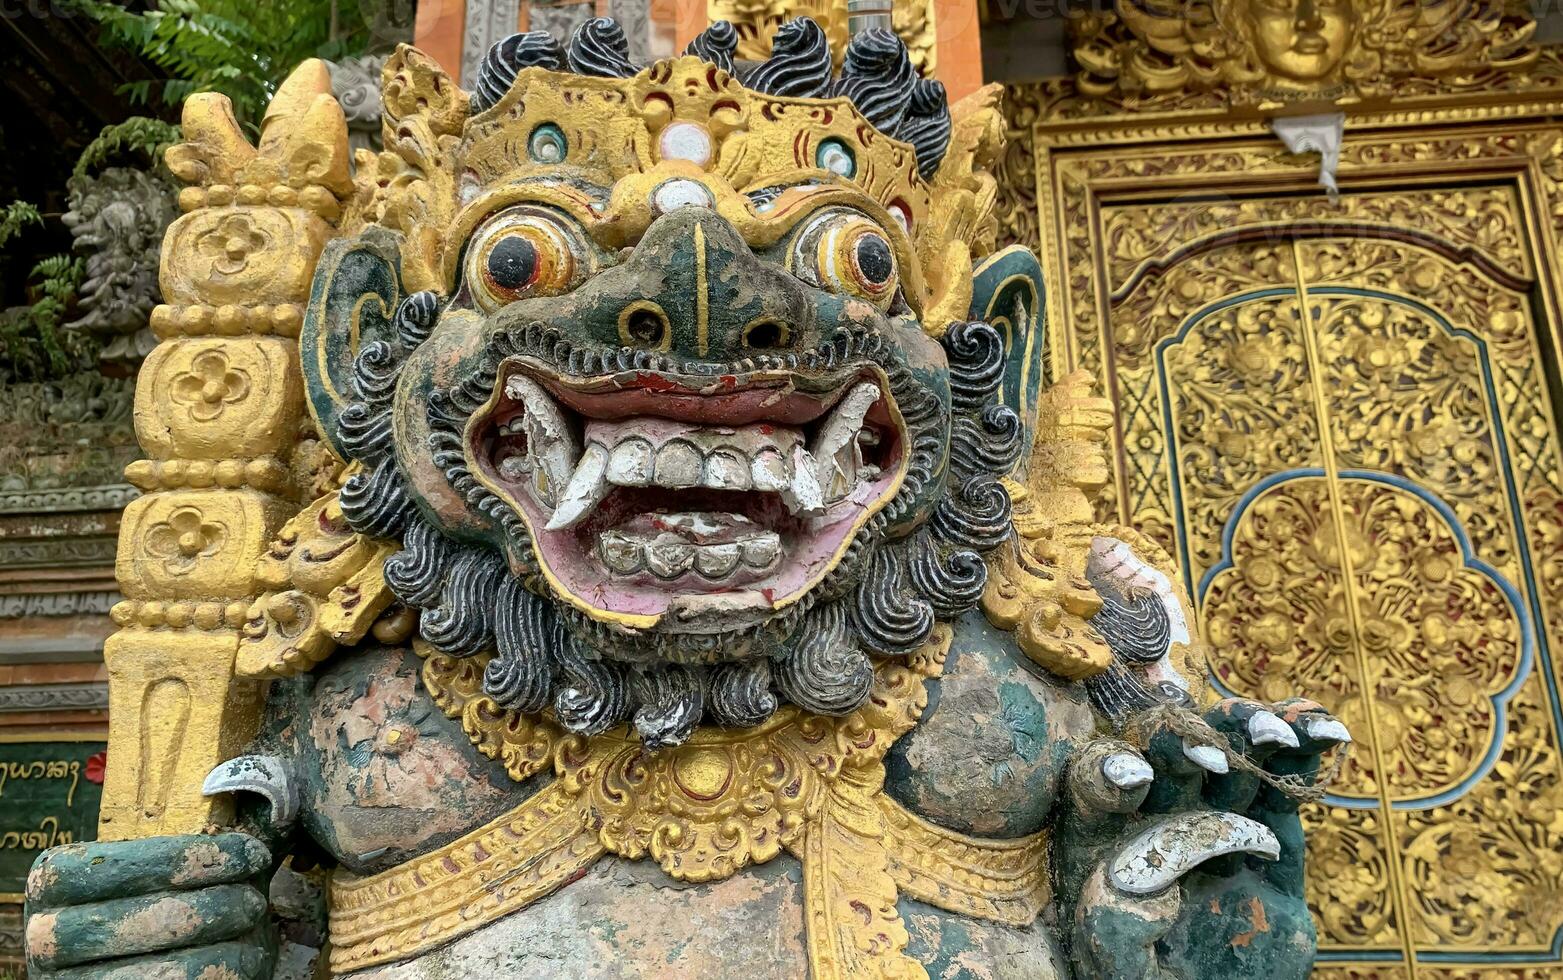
(674, 194)
(1319, 134)
(686, 141)
(1157, 858)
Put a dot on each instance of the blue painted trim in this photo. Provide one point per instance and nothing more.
(1360, 956)
(1456, 957)
(1534, 644)
(1528, 612)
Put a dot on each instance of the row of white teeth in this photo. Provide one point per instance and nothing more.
(573, 479)
(668, 557)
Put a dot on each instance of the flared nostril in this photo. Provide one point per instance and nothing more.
(644, 324)
(766, 335)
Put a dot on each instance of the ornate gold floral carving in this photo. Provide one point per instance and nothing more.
(849, 905)
(1191, 308)
(325, 587)
(1000, 880)
(524, 744)
(1260, 51)
(484, 876)
(723, 800)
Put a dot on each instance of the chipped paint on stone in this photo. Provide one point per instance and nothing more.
(953, 947)
(391, 776)
(630, 919)
(994, 742)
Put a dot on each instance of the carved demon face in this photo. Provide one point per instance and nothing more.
(671, 439)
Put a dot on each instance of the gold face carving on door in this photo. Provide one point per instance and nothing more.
(1163, 53)
(1303, 40)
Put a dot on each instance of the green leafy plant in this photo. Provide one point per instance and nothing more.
(33, 346)
(241, 48)
(135, 136)
(17, 216)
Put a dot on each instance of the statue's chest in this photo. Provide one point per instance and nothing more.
(629, 919)
(989, 755)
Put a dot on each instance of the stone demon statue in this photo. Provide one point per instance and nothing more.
(696, 573)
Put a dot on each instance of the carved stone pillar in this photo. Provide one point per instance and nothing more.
(219, 408)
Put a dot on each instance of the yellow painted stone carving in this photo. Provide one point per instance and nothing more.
(325, 587)
(218, 410)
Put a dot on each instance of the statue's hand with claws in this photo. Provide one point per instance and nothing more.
(1184, 858)
(180, 907)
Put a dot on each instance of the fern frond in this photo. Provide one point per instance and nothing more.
(136, 135)
(16, 216)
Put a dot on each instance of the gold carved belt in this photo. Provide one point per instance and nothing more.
(820, 780)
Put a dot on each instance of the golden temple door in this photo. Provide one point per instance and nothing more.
(1340, 420)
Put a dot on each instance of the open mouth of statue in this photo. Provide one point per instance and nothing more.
(717, 498)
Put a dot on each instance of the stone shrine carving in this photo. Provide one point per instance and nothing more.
(668, 486)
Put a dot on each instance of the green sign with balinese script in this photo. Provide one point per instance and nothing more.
(49, 794)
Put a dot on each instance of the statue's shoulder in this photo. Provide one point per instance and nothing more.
(989, 753)
(386, 774)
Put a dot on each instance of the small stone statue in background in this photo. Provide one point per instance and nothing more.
(117, 218)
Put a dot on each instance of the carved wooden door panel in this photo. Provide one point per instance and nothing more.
(1343, 431)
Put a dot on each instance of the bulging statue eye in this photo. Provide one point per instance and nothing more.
(523, 253)
(846, 252)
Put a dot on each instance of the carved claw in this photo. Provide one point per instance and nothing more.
(1324, 729)
(1267, 728)
(1127, 771)
(1207, 757)
(1157, 858)
(268, 775)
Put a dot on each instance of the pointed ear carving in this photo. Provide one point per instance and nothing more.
(358, 285)
(1007, 292)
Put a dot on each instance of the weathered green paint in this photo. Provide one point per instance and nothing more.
(357, 286)
(221, 961)
(994, 742)
(1240, 926)
(80, 873)
(953, 947)
(1007, 277)
(142, 924)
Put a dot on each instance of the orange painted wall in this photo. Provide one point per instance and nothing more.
(958, 50)
(437, 31)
